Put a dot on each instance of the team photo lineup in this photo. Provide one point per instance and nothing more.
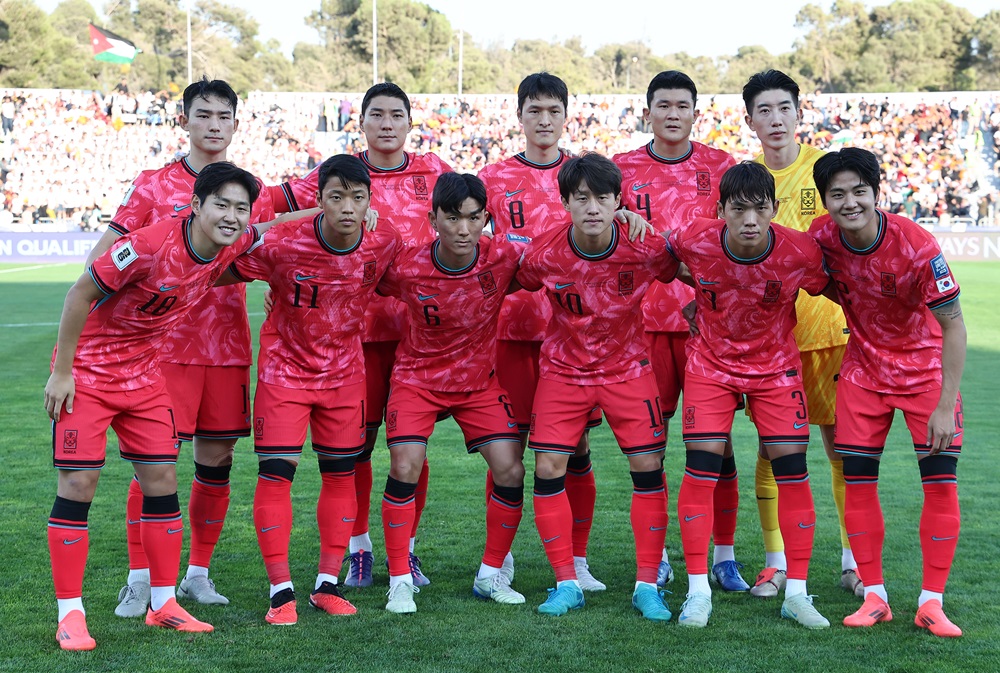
(660, 291)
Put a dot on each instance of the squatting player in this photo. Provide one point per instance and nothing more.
(205, 360)
(772, 104)
(907, 352)
(453, 288)
(747, 274)
(106, 372)
(323, 271)
(402, 186)
(594, 354)
(671, 181)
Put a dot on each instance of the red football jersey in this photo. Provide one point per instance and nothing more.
(312, 337)
(887, 292)
(217, 331)
(595, 335)
(746, 307)
(402, 194)
(523, 198)
(670, 194)
(153, 279)
(451, 342)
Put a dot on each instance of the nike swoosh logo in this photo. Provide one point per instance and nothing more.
(73, 541)
(507, 525)
(799, 426)
(346, 520)
(656, 528)
(212, 522)
(133, 522)
(299, 277)
(856, 534)
(178, 209)
(397, 525)
(581, 520)
(563, 286)
(636, 188)
(511, 424)
(550, 539)
(269, 528)
(702, 281)
(657, 433)
(168, 288)
(425, 297)
(806, 525)
(942, 539)
(692, 518)
(174, 531)
(514, 193)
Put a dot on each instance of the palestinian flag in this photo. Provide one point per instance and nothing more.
(111, 48)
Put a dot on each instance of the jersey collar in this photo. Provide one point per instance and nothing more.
(752, 260)
(669, 160)
(448, 271)
(375, 169)
(879, 237)
(599, 256)
(318, 228)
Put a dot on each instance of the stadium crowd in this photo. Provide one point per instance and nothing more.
(66, 157)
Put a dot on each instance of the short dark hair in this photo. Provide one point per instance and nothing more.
(452, 189)
(768, 81)
(670, 79)
(542, 85)
(212, 178)
(347, 168)
(748, 182)
(204, 88)
(853, 159)
(385, 89)
(600, 173)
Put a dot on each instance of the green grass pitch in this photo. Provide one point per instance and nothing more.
(452, 631)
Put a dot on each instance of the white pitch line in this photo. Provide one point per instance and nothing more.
(29, 268)
(30, 324)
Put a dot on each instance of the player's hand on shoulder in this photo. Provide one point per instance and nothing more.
(60, 390)
(371, 219)
(637, 226)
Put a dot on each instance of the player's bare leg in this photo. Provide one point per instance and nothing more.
(503, 516)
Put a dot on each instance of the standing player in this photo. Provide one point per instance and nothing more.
(106, 372)
(453, 288)
(907, 352)
(772, 103)
(205, 360)
(402, 186)
(594, 354)
(747, 274)
(523, 199)
(671, 181)
(323, 272)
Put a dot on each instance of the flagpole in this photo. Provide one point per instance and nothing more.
(374, 42)
(189, 39)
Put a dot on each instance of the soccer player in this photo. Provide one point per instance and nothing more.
(594, 354)
(453, 288)
(323, 272)
(747, 274)
(402, 186)
(523, 199)
(772, 104)
(907, 352)
(205, 360)
(671, 181)
(106, 372)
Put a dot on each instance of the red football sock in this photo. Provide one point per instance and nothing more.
(162, 536)
(272, 516)
(726, 503)
(398, 512)
(363, 495)
(503, 515)
(420, 498)
(133, 535)
(581, 489)
(695, 513)
(863, 517)
(796, 514)
(648, 515)
(335, 513)
(554, 520)
(69, 543)
(207, 511)
(940, 522)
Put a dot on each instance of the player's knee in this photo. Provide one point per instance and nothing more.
(406, 463)
(550, 465)
(214, 452)
(157, 480)
(78, 485)
(645, 462)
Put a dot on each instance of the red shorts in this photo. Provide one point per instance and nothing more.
(668, 357)
(335, 418)
(209, 402)
(779, 413)
(142, 419)
(517, 371)
(485, 416)
(380, 356)
(632, 408)
(864, 417)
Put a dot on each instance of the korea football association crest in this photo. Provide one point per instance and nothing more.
(486, 282)
(258, 427)
(369, 273)
(626, 283)
(807, 201)
(420, 187)
(69, 440)
(772, 291)
(703, 180)
(888, 284)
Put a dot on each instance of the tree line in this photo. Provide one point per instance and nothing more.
(907, 45)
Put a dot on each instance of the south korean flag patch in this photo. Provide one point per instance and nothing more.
(942, 274)
(124, 255)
